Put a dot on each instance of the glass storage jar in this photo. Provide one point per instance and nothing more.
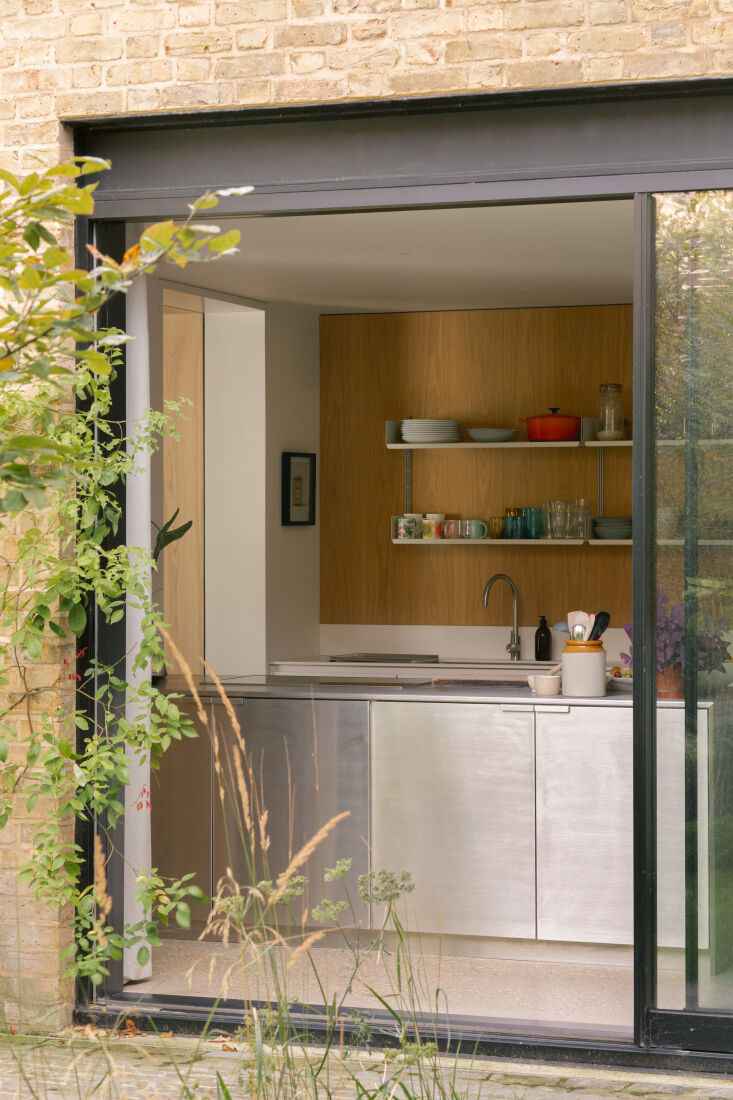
(611, 411)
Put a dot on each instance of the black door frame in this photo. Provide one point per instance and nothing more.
(618, 141)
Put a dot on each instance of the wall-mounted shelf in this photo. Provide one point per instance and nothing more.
(492, 542)
(523, 443)
(394, 442)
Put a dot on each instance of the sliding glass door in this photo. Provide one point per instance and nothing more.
(690, 660)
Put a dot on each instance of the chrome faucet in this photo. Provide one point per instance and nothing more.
(513, 649)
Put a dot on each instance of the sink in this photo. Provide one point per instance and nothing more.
(501, 664)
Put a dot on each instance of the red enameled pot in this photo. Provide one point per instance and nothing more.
(551, 427)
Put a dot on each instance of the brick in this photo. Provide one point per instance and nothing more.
(710, 33)
(542, 45)
(365, 85)
(139, 72)
(672, 9)
(8, 108)
(91, 22)
(254, 91)
(365, 7)
(371, 28)
(8, 8)
(251, 11)
(37, 7)
(608, 11)
(193, 70)
(311, 34)
(413, 5)
(647, 66)
(295, 90)
(424, 83)
(234, 68)
(306, 9)
(607, 40)
(12, 84)
(37, 106)
(599, 70)
(542, 74)
(149, 19)
(253, 38)
(490, 18)
(30, 133)
(194, 15)
(92, 49)
(671, 34)
(34, 27)
(196, 43)
(308, 62)
(483, 76)
(545, 13)
(478, 47)
(142, 45)
(423, 52)
(93, 103)
(192, 95)
(448, 24)
(372, 58)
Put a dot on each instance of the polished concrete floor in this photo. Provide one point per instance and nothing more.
(547, 995)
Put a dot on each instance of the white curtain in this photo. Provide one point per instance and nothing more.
(138, 528)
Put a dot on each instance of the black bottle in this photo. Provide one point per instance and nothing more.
(542, 641)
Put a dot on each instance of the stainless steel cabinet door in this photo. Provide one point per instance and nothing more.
(453, 803)
(584, 824)
(311, 758)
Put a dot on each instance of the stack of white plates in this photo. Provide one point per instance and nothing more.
(430, 431)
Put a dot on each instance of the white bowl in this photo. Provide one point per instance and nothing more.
(492, 435)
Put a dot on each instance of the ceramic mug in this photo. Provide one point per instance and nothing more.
(544, 685)
(409, 527)
(473, 529)
(432, 527)
(451, 529)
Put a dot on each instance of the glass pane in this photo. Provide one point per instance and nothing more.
(694, 540)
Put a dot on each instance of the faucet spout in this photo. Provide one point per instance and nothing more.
(514, 647)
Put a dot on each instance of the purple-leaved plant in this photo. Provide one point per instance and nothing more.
(711, 648)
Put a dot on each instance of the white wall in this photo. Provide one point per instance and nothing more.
(293, 424)
(235, 550)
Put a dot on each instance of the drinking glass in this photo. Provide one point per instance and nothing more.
(559, 515)
(496, 527)
(531, 523)
(580, 523)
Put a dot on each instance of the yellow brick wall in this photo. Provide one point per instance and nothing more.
(69, 58)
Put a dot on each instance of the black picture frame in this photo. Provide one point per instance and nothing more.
(298, 489)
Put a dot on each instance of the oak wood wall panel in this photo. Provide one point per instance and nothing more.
(183, 481)
(481, 367)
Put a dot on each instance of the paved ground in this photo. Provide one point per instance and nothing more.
(88, 1064)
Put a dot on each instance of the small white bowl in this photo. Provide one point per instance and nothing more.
(492, 435)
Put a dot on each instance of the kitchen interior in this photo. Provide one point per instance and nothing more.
(370, 672)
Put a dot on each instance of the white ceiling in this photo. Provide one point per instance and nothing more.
(578, 253)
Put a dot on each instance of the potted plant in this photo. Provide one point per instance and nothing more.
(670, 638)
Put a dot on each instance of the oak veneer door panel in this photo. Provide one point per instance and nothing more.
(183, 480)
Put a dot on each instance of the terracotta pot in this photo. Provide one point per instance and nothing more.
(552, 427)
(670, 683)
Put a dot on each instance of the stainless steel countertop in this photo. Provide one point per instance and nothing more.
(301, 687)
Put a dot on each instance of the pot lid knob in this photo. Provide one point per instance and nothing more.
(557, 409)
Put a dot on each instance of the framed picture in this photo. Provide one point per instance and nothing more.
(298, 489)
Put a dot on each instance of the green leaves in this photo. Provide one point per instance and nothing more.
(168, 534)
(77, 619)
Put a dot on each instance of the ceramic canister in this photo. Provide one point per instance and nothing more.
(584, 669)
